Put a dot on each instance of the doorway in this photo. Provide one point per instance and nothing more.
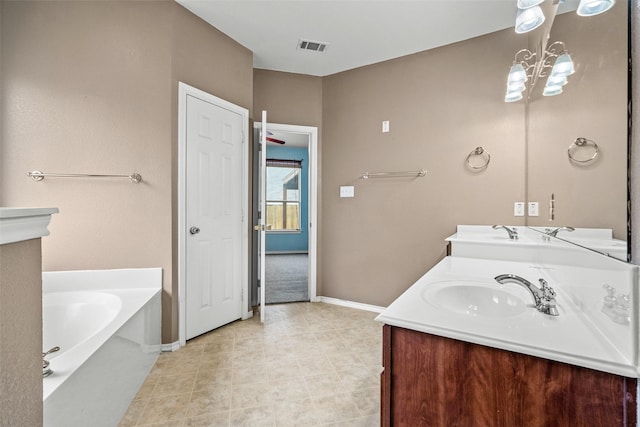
(290, 217)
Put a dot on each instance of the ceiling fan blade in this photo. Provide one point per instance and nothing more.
(277, 141)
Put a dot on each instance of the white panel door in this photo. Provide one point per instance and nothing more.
(213, 216)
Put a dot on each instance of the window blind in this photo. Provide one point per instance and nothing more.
(284, 163)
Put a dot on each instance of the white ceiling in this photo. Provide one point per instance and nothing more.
(359, 32)
(291, 139)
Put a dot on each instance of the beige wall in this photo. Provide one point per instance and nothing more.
(289, 98)
(21, 334)
(91, 87)
(441, 104)
(593, 105)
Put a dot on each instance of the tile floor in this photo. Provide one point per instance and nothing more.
(310, 364)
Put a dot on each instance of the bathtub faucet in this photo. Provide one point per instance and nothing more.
(46, 370)
(513, 232)
(544, 297)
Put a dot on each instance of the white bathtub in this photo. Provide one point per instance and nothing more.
(107, 325)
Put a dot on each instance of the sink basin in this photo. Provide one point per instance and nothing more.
(475, 299)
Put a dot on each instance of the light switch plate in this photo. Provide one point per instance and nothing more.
(347, 191)
(533, 209)
(385, 126)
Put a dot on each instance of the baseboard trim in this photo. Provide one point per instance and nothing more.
(172, 346)
(351, 304)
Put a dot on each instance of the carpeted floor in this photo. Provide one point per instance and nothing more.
(286, 277)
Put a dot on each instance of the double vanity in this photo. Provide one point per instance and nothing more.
(514, 331)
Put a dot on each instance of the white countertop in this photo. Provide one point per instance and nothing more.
(570, 337)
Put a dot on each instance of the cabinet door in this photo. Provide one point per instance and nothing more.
(436, 381)
(385, 378)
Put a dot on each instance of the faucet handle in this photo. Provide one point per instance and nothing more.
(547, 291)
(46, 370)
(51, 350)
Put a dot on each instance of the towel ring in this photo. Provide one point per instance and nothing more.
(579, 143)
(479, 151)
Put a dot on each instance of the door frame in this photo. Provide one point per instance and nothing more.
(185, 90)
(312, 132)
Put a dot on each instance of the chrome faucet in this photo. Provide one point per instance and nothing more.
(46, 370)
(554, 232)
(544, 297)
(513, 232)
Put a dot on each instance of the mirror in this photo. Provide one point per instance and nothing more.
(593, 106)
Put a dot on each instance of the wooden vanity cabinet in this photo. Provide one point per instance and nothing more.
(434, 381)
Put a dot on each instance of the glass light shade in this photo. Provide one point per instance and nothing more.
(526, 4)
(529, 19)
(517, 74)
(594, 7)
(563, 65)
(513, 96)
(516, 87)
(552, 90)
(557, 80)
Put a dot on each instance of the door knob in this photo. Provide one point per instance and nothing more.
(194, 230)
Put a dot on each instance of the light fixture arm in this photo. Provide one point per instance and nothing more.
(552, 52)
(526, 58)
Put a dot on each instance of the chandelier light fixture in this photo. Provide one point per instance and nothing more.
(529, 67)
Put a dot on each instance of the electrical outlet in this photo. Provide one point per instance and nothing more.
(518, 209)
(385, 126)
(533, 209)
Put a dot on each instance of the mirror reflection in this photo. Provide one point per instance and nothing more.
(577, 140)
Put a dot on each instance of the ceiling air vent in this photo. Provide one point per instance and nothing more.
(313, 46)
